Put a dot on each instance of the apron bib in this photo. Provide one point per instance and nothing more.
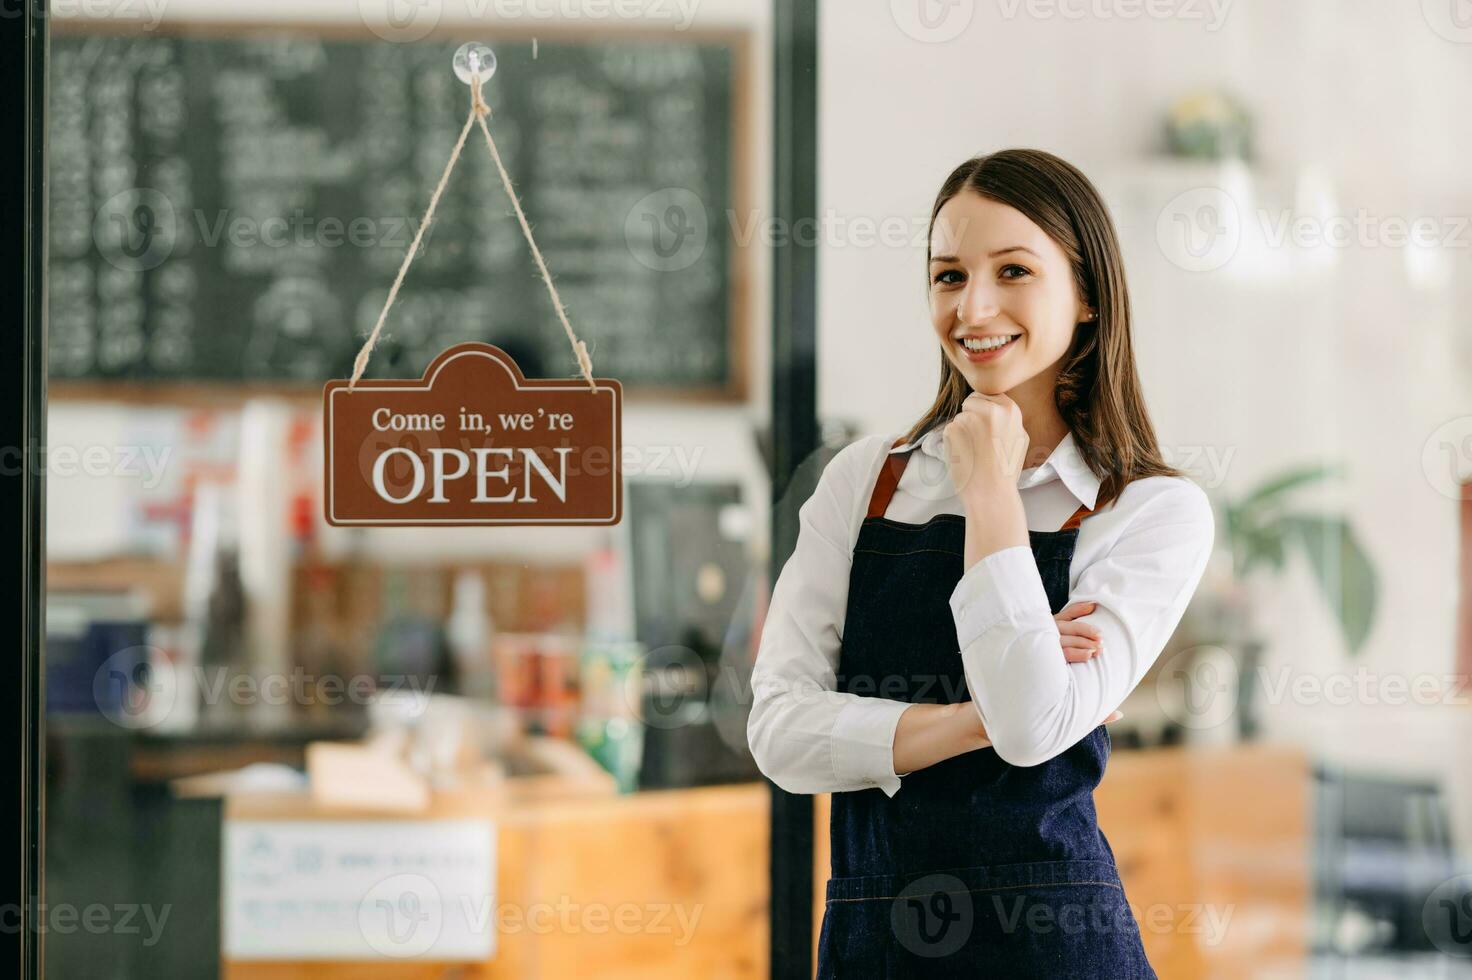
(976, 867)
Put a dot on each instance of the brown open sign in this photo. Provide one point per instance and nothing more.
(473, 442)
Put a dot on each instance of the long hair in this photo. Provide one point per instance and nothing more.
(1098, 391)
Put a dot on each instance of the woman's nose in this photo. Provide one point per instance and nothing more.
(977, 306)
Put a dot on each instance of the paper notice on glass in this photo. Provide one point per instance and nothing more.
(359, 890)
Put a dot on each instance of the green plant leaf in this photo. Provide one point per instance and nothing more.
(1341, 567)
(1231, 537)
(1253, 540)
(1271, 490)
(1265, 545)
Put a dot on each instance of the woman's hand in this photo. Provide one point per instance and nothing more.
(986, 446)
(1080, 640)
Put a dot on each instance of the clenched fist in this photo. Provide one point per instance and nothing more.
(986, 446)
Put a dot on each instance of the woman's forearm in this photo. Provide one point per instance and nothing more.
(931, 733)
(995, 520)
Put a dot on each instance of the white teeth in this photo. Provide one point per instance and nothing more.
(991, 343)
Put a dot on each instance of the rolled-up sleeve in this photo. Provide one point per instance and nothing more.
(1033, 702)
(806, 736)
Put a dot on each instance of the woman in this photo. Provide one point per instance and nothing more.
(956, 624)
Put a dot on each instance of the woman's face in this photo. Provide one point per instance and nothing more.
(996, 274)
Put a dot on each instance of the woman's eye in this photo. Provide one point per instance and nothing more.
(941, 276)
(1022, 270)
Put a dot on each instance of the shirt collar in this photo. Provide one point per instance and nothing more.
(1064, 463)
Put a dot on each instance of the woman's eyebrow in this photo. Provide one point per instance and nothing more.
(1000, 251)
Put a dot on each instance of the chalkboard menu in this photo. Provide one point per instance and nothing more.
(233, 208)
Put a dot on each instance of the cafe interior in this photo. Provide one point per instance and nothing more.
(278, 745)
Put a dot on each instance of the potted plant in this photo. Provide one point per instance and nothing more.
(1257, 533)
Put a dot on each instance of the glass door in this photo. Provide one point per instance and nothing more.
(263, 745)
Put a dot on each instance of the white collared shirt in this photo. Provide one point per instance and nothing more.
(1139, 558)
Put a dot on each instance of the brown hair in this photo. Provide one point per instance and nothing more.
(1098, 392)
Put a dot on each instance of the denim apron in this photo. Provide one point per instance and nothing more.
(975, 867)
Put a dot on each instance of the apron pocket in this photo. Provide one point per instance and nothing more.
(1053, 930)
(857, 940)
(1044, 919)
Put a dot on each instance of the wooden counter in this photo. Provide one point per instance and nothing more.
(1197, 832)
(690, 866)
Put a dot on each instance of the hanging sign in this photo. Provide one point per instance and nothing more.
(473, 442)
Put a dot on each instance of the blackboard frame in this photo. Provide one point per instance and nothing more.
(740, 305)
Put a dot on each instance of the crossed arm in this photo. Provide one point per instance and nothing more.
(1149, 554)
(931, 733)
(1034, 691)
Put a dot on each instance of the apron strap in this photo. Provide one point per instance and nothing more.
(1082, 512)
(1077, 518)
(889, 478)
(894, 467)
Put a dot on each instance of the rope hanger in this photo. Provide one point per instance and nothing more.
(479, 111)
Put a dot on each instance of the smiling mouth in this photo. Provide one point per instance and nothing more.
(981, 352)
(978, 345)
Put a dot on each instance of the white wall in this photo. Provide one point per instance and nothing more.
(1279, 358)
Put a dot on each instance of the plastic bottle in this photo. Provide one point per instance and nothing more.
(469, 632)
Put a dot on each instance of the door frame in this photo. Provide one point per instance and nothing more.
(794, 422)
(23, 49)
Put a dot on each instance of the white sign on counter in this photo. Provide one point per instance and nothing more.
(358, 889)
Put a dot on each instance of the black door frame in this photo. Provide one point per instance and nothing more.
(794, 420)
(23, 41)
